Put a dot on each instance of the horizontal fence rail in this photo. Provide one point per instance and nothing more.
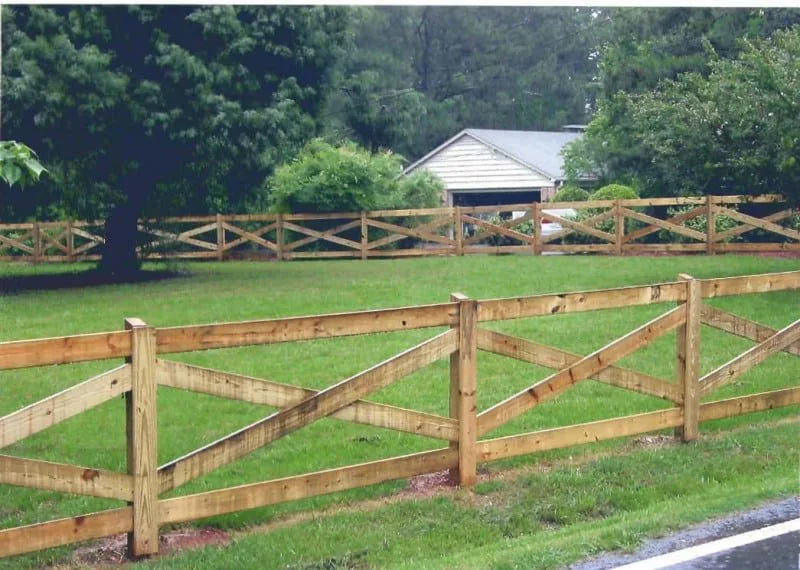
(709, 224)
(463, 431)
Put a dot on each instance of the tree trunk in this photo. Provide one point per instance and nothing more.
(120, 259)
(119, 254)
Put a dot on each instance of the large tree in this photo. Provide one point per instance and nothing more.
(417, 75)
(647, 49)
(152, 110)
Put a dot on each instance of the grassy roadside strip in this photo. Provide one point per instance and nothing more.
(538, 519)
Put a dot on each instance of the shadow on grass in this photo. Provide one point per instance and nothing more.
(90, 278)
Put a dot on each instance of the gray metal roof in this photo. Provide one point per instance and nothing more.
(540, 150)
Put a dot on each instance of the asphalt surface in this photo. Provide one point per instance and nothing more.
(778, 553)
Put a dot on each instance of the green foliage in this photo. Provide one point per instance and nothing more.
(614, 192)
(416, 75)
(19, 164)
(160, 110)
(570, 193)
(695, 102)
(346, 178)
(698, 223)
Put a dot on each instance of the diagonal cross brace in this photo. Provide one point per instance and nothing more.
(584, 368)
(785, 337)
(309, 410)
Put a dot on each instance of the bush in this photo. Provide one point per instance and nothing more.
(347, 178)
(570, 194)
(608, 192)
(614, 192)
(698, 223)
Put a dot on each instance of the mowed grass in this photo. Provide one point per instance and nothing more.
(213, 292)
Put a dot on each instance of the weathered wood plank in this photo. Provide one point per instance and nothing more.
(320, 405)
(495, 229)
(8, 242)
(202, 505)
(674, 220)
(170, 237)
(68, 403)
(538, 305)
(586, 367)
(687, 359)
(593, 221)
(756, 247)
(665, 225)
(644, 202)
(448, 211)
(421, 252)
(49, 534)
(577, 226)
(550, 357)
(411, 232)
(245, 236)
(580, 248)
(330, 232)
(591, 432)
(289, 329)
(63, 478)
(640, 248)
(496, 249)
(759, 223)
(764, 283)
(744, 228)
(748, 199)
(142, 439)
(496, 209)
(321, 254)
(64, 349)
(429, 227)
(785, 337)
(269, 393)
(742, 327)
(321, 216)
(463, 388)
(321, 235)
(749, 404)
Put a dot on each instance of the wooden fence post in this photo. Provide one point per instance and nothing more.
(463, 387)
(70, 238)
(364, 235)
(536, 214)
(688, 359)
(37, 242)
(619, 227)
(711, 225)
(220, 239)
(458, 228)
(279, 238)
(142, 438)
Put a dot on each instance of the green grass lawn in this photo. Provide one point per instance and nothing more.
(510, 525)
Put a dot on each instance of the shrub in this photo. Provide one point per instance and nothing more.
(614, 192)
(608, 192)
(347, 178)
(570, 194)
(698, 223)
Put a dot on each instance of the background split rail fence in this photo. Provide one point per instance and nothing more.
(464, 431)
(602, 226)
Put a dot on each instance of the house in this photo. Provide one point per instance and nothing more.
(487, 167)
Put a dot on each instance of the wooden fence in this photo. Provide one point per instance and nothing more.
(601, 226)
(143, 347)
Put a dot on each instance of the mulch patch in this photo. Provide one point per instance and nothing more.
(113, 551)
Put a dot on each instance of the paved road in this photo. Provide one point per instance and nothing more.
(779, 553)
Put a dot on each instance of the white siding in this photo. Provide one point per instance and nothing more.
(468, 164)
